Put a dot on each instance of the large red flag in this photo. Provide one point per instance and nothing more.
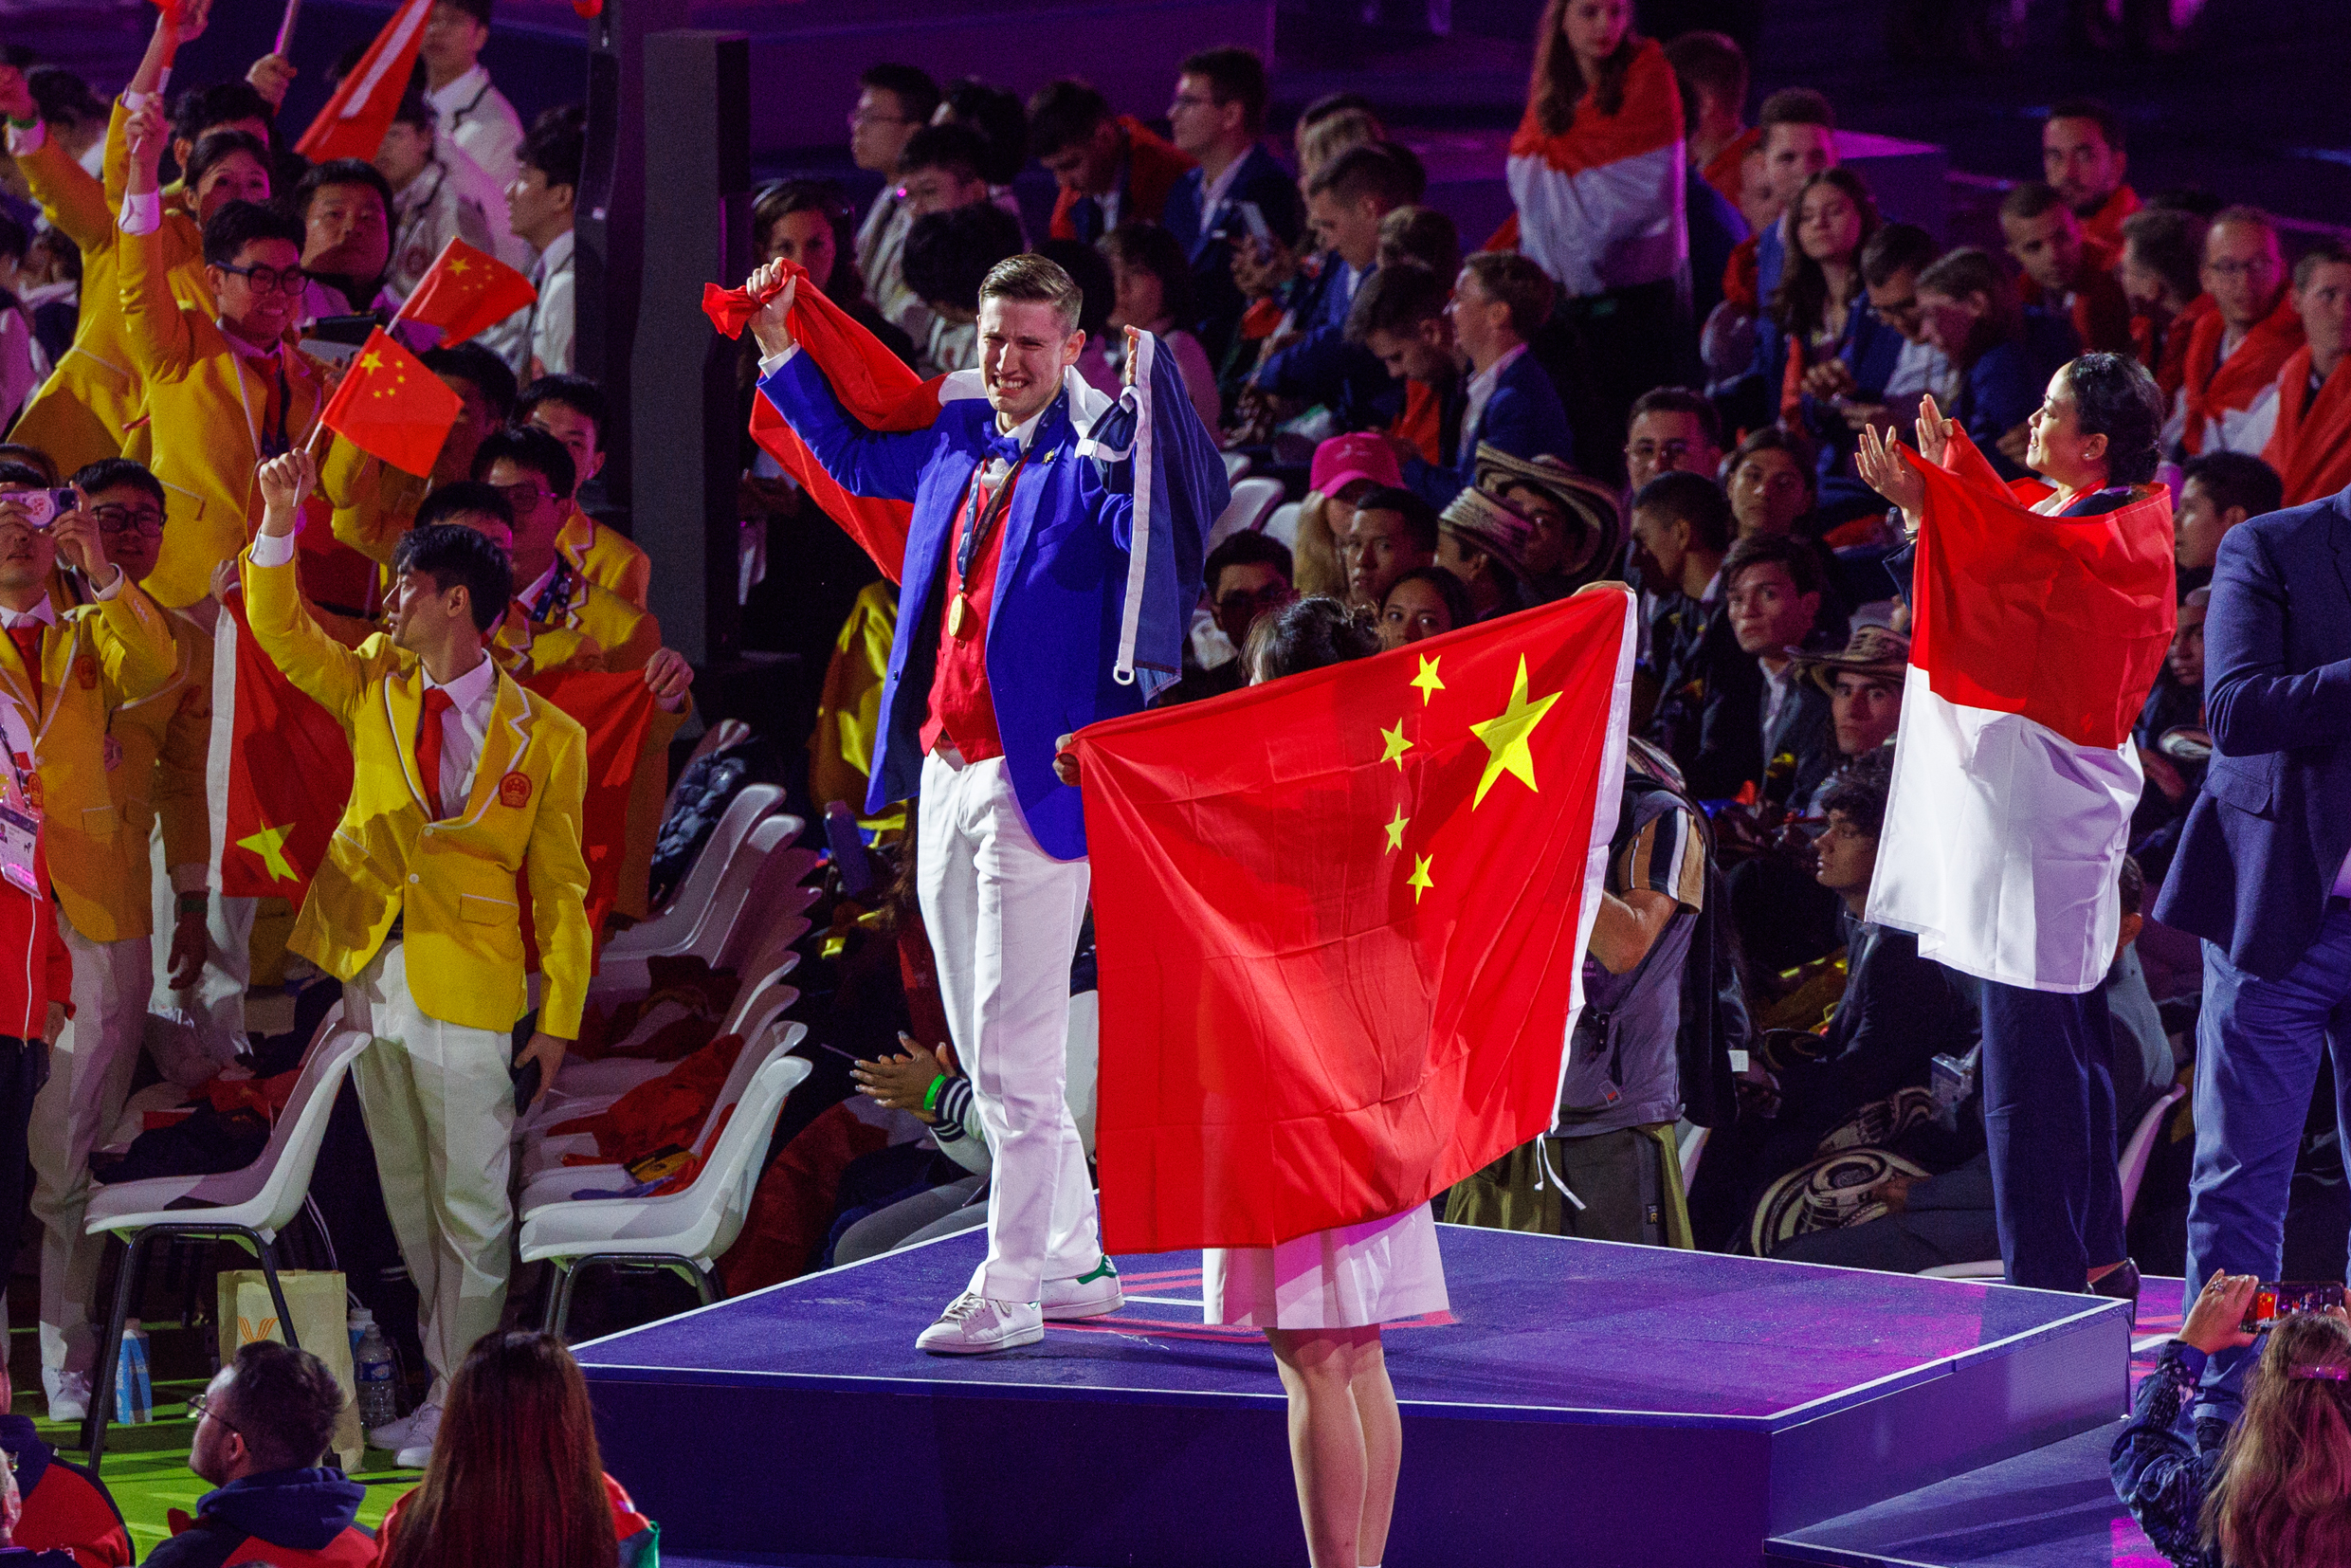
(390, 406)
(466, 292)
(616, 711)
(1341, 921)
(354, 120)
(874, 384)
(286, 772)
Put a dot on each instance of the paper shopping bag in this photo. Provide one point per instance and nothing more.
(322, 1324)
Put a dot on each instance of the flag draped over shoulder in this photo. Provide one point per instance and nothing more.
(1340, 923)
(280, 770)
(354, 120)
(1600, 205)
(2310, 446)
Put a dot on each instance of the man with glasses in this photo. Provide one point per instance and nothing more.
(893, 102)
(534, 472)
(1672, 431)
(262, 1424)
(1248, 576)
(473, 114)
(2228, 402)
(1219, 117)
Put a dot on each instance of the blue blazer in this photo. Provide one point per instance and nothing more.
(1525, 418)
(1053, 629)
(1323, 367)
(2267, 834)
(1216, 303)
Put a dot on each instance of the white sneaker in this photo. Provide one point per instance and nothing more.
(973, 1326)
(1087, 1295)
(394, 1435)
(415, 1451)
(68, 1392)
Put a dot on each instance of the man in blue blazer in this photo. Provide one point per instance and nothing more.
(1509, 401)
(1219, 117)
(1009, 629)
(2261, 875)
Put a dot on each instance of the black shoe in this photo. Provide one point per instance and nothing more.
(2120, 1285)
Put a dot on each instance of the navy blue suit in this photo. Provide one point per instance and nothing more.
(1053, 629)
(2254, 876)
(1323, 367)
(1523, 417)
(1216, 303)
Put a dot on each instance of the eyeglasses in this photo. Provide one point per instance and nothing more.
(124, 519)
(1650, 451)
(524, 497)
(267, 280)
(200, 1406)
(2241, 269)
(858, 117)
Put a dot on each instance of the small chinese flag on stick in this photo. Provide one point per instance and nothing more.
(354, 120)
(390, 406)
(466, 292)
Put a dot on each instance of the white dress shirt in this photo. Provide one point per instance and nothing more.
(1481, 393)
(477, 116)
(555, 318)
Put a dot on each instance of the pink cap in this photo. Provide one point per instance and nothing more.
(1344, 457)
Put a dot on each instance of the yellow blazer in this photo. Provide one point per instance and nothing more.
(452, 883)
(95, 660)
(628, 635)
(605, 557)
(166, 738)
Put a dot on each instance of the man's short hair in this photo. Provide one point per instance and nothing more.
(2029, 200)
(1796, 107)
(2109, 124)
(62, 97)
(15, 454)
(1858, 793)
(2170, 242)
(1396, 298)
(566, 389)
(1233, 75)
(2236, 479)
(283, 1403)
(1098, 286)
(958, 148)
(1517, 281)
(916, 94)
(1373, 170)
(1420, 519)
(478, 10)
(1681, 400)
(1896, 248)
(454, 500)
(1000, 122)
(340, 172)
(1711, 61)
(557, 146)
(2251, 217)
(1802, 560)
(472, 362)
(416, 110)
(449, 556)
(1035, 278)
(2323, 253)
(1246, 547)
(110, 473)
(950, 255)
(2115, 396)
(1693, 499)
(1965, 271)
(1421, 235)
(529, 447)
(1333, 103)
(25, 474)
(199, 109)
(1062, 114)
(238, 224)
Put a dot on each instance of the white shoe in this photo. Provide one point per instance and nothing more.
(1087, 1295)
(68, 1392)
(415, 1451)
(973, 1326)
(393, 1434)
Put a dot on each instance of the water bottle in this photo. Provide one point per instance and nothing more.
(372, 1369)
(135, 1399)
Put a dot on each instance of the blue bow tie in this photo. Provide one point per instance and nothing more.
(1003, 448)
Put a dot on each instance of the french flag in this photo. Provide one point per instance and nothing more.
(1600, 206)
(2034, 639)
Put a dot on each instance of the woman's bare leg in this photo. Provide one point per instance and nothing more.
(1383, 1446)
(1326, 1438)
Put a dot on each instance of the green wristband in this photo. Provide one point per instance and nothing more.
(24, 124)
(930, 1096)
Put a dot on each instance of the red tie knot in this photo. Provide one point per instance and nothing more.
(437, 702)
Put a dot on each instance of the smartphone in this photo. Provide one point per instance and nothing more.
(2274, 1298)
(526, 1086)
(44, 507)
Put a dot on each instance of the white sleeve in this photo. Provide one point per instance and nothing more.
(143, 214)
(271, 549)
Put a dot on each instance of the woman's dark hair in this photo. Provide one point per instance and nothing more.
(780, 200)
(516, 1479)
(949, 255)
(1144, 244)
(1000, 121)
(1448, 588)
(2281, 1492)
(218, 145)
(1798, 305)
(1097, 289)
(2115, 397)
(1558, 89)
(1307, 634)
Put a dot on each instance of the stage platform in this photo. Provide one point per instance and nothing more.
(1621, 1404)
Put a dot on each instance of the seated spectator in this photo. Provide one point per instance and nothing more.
(1002, 123)
(516, 1476)
(431, 205)
(1329, 126)
(893, 102)
(946, 257)
(1672, 429)
(1402, 314)
(1247, 575)
(809, 221)
(1771, 484)
(1509, 401)
(943, 168)
(1864, 686)
(1111, 168)
(262, 1425)
(2001, 354)
(2227, 391)
(1426, 602)
(64, 1508)
(1345, 203)
(2264, 1492)
(1818, 314)
(1711, 71)
(1577, 527)
(2217, 492)
(1773, 587)
(1346, 469)
(2066, 273)
(1152, 292)
(1236, 190)
(1709, 694)
(533, 471)
(1391, 531)
(2310, 446)
(2163, 251)
(572, 408)
(2084, 157)
(1483, 542)
(1884, 378)
(345, 209)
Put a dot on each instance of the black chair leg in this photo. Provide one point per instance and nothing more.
(561, 1273)
(110, 1350)
(277, 1295)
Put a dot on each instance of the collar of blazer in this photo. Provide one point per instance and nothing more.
(504, 742)
(59, 647)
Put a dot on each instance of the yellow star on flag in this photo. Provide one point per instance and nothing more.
(1427, 680)
(1396, 745)
(1505, 738)
(1395, 830)
(1420, 881)
(458, 265)
(369, 360)
(270, 845)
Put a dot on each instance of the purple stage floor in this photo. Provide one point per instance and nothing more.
(1575, 1396)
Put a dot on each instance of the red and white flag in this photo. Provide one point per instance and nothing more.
(354, 120)
(2034, 639)
(1601, 204)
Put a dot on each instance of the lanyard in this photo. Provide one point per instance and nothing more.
(978, 531)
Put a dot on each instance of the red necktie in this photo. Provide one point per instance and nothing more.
(26, 636)
(429, 746)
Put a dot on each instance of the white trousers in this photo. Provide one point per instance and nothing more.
(90, 1068)
(438, 1101)
(215, 1004)
(1003, 919)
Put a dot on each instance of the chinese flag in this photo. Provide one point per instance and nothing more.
(288, 774)
(618, 714)
(874, 384)
(1340, 923)
(354, 120)
(466, 292)
(390, 406)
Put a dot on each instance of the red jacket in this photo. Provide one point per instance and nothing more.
(32, 954)
(1153, 167)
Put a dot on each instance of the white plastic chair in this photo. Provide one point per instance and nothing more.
(1693, 1145)
(674, 924)
(249, 1206)
(1252, 499)
(681, 1233)
(1236, 466)
(627, 972)
(1282, 523)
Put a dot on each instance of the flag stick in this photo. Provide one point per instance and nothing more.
(311, 446)
(286, 27)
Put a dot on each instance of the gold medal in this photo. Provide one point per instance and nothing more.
(956, 608)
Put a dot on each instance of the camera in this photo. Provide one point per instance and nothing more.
(44, 507)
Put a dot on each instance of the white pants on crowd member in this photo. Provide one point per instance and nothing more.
(90, 1069)
(438, 1101)
(1003, 918)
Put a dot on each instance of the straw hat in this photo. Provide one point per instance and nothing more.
(1873, 651)
(1594, 518)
